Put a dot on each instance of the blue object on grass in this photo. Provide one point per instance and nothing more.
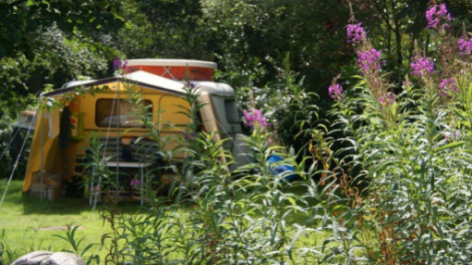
(279, 169)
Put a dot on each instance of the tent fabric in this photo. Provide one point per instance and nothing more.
(65, 132)
(34, 161)
(53, 117)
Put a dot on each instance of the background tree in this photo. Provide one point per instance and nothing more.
(55, 41)
(47, 43)
(21, 19)
(164, 29)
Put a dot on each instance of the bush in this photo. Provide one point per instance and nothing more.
(250, 217)
(414, 148)
(411, 150)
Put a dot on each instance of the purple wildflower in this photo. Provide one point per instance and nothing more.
(409, 84)
(422, 65)
(116, 64)
(387, 100)
(455, 136)
(188, 137)
(254, 119)
(465, 45)
(435, 14)
(135, 182)
(369, 60)
(119, 64)
(448, 85)
(355, 33)
(335, 91)
(192, 85)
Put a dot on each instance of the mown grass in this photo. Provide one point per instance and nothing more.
(30, 224)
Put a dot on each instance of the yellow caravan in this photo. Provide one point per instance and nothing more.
(105, 112)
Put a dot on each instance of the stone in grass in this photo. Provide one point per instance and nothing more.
(63, 258)
(32, 258)
(49, 258)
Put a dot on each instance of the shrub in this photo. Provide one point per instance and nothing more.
(414, 148)
(251, 217)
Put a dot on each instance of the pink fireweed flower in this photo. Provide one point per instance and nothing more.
(255, 119)
(421, 65)
(189, 136)
(119, 64)
(355, 33)
(465, 45)
(447, 86)
(387, 100)
(369, 60)
(335, 91)
(451, 137)
(135, 182)
(116, 64)
(435, 14)
(405, 84)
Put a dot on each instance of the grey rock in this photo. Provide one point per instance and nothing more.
(63, 258)
(33, 258)
(49, 258)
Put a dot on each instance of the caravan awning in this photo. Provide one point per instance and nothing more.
(140, 78)
(148, 80)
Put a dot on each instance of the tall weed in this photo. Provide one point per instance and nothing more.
(251, 216)
(414, 151)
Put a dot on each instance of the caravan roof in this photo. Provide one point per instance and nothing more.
(171, 62)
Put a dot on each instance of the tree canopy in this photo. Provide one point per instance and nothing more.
(21, 20)
(52, 42)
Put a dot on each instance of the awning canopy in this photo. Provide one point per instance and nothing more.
(148, 80)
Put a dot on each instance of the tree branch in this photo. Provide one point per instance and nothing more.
(16, 3)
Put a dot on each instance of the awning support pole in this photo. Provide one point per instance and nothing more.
(41, 156)
(118, 111)
(16, 162)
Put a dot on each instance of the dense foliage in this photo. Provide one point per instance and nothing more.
(402, 133)
(52, 42)
(411, 150)
(414, 148)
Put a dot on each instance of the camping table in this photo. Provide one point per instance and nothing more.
(138, 165)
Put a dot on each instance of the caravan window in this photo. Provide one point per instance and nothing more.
(232, 115)
(106, 113)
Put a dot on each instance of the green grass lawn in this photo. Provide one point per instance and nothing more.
(28, 224)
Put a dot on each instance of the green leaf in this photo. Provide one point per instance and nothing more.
(449, 146)
(291, 200)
